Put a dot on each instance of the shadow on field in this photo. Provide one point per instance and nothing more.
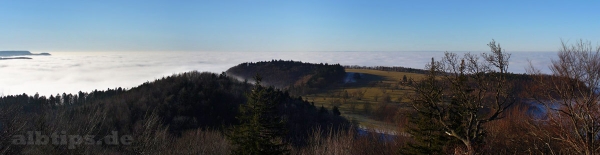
(364, 80)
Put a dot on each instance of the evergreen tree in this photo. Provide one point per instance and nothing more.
(58, 100)
(261, 129)
(428, 136)
(336, 111)
(52, 101)
(323, 110)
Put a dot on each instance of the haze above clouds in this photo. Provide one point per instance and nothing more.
(71, 72)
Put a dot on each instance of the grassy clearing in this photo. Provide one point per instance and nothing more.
(359, 100)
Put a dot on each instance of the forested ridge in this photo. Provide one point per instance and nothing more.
(295, 76)
(168, 107)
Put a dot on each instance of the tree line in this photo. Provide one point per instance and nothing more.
(388, 68)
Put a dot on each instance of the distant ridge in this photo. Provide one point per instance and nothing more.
(19, 53)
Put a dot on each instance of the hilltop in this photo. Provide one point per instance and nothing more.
(295, 76)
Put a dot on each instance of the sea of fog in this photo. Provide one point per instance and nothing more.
(71, 72)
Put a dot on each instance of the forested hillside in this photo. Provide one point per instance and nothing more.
(158, 114)
(298, 77)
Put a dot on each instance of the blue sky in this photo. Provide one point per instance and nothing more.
(321, 25)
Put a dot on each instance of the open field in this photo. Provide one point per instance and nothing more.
(359, 100)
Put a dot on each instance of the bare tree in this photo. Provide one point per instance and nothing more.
(462, 94)
(360, 93)
(571, 96)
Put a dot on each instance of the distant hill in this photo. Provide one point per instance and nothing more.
(294, 75)
(19, 53)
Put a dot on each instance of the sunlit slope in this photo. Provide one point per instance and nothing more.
(364, 99)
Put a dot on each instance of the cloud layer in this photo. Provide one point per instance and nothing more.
(71, 72)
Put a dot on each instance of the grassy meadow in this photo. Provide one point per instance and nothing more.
(375, 93)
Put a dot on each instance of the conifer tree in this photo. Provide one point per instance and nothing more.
(427, 134)
(323, 110)
(261, 129)
(336, 111)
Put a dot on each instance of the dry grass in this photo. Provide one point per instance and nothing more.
(349, 142)
(201, 142)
